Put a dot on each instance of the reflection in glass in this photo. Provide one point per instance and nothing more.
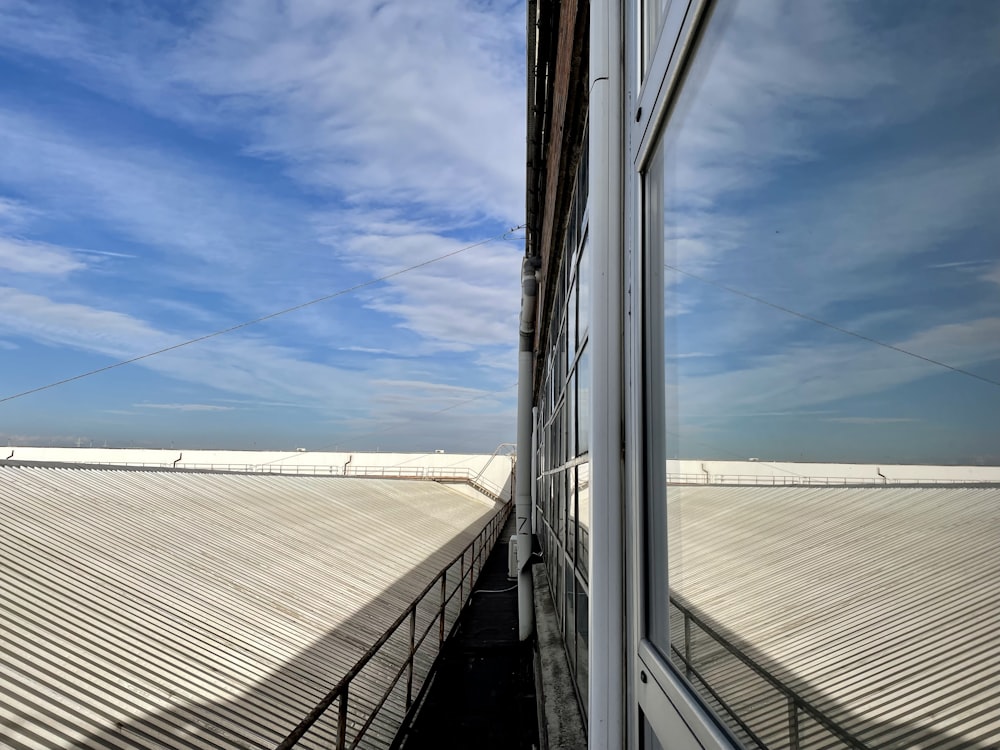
(823, 208)
(653, 12)
(582, 641)
(559, 480)
(571, 417)
(571, 507)
(570, 622)
(571, 322)
(583, 402)
(583, 273)
(583, 528)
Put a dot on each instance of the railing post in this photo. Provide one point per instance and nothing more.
(793, 724)
(342, 720)
(444, 586)
(687, 645)
(409, 674)
(461, 581)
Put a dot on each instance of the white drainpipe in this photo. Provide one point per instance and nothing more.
(607, 625)
(523, 478)
(534, 468)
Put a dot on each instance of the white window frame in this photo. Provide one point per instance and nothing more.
(655, 692)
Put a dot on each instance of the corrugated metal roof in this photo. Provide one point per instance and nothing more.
(879, 606)
(159, 609)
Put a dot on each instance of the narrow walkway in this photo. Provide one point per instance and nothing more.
(483, 695)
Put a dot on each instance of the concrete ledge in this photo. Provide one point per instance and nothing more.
(560, 721)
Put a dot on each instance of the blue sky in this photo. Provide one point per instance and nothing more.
(170, 169)
(840, 159)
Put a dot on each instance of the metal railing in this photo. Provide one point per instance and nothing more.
(797, 706)
(475, 552)
(797, 480)
(427, 473)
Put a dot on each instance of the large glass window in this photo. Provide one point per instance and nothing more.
(565, 430)
(821, 227)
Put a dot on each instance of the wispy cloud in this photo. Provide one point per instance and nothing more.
(872, 420)
(793, 377)
(227, 160)
(185, 407)
(349, 103)
(21, 256)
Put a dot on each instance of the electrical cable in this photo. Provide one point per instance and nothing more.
(495, 591)
(261, 319)
(831, 326)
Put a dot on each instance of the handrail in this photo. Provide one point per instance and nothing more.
(485, 540)
(431, 473)
(797, 480)
(796, 703)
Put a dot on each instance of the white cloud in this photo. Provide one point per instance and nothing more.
(388, 103)
(392, 103)
(21, 256)
(871, 420)
(405, 411)
(465, 302)
(184, 407)
(993, 274)
(15, 214)
(239, 364)
(383, 134)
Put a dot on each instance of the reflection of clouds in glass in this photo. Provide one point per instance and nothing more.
(804, 376)
(838, 159)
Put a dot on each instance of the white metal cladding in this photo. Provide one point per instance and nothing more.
(159, 609)
(879, 606)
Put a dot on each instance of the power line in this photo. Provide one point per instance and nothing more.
(261, 319)
(831, 326)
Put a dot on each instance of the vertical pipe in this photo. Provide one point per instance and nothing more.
(409, 673)
(534, 469)
(793, 725)
(523, 476)
(525, 584)
(607, 622)
(687, 644)
(444, 586)
(342, 720)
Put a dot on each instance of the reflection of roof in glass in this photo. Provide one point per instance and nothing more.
(180, 609)
(879, 606)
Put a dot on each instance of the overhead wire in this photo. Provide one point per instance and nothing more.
(831, 326)
(261, 319)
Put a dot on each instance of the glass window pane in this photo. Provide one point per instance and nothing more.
(571, 417)
(583, 520)
(582, 641)
(560, 482)
(558, 585)
(583, 304)
(653, 12)
(583, 402)
(570, 623)
(572, 513)
(571, 322)
(822, 207)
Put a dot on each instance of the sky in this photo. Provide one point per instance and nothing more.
(175, 168)
(841, 160)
